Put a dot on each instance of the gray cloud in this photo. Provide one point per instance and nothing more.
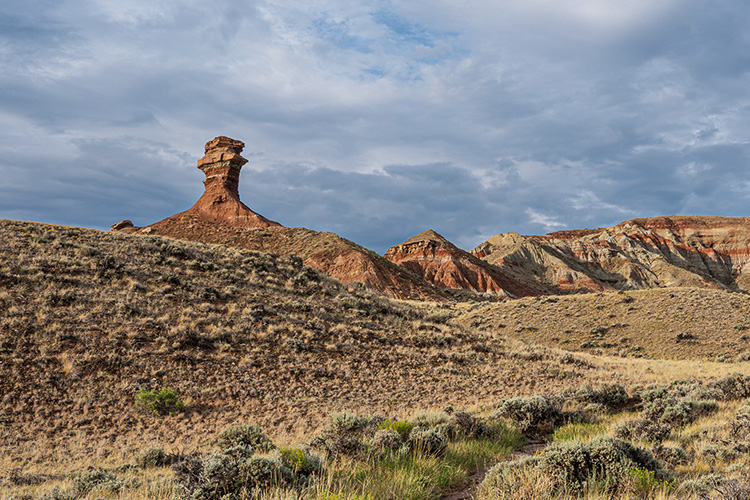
(378, 120)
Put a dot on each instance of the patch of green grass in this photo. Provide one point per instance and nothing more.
(411, 476)
(580, 431)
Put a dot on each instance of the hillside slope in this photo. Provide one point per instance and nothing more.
(87, 318)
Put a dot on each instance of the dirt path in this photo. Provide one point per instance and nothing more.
(465, 491)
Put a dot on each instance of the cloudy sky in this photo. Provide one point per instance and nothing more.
(378, 119)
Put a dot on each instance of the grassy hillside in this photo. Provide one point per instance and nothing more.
(673, 323)
(91, 322)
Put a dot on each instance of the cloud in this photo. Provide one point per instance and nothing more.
(378, 120)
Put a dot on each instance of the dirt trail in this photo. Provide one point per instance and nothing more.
(465, 491)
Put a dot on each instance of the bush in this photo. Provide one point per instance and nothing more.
(569, 469)
(245, 435)
(153, 457)
(533, 415)
(465, 424)
(345, 433)
(97, 480)
(163, 402)
(400, 426)
(386, 440)
(300, 461)
(222, 477)
(611, 396)
(428, 442)
(642, 429)
(677, 413)
(733, 386)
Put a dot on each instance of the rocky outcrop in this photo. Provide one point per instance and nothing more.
(220, 217)
(221, 199)
(124, 226)
(643, 253)
(440, 262)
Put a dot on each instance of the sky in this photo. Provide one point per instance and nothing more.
(377, 120)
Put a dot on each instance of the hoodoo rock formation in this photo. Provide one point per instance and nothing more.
(220, 217)
(434, 258)
(221, 199)
(654, 252)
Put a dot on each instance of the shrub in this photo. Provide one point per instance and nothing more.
(300, 461)
(612, 396)
(465, 424)
(153, 457)
(245, 435)
(642, 429)
(677, 413)
(733, 386)
(573, 464)
(97, 480)
(386, 440)
(400, 426)
(428, 442)
(222, 477)
(671, 455)
(344, 434)
(532, 415)
(569, 469)
(162, 402)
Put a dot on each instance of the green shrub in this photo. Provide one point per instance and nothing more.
(300, 461)
(645, 481)
(533, 415)
(99, 481)
(244, 436)
(163, 402)
(345, 434)
(400, 426)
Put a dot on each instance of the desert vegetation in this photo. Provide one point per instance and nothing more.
(150, 367)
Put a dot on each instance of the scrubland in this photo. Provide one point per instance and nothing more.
(147, 367)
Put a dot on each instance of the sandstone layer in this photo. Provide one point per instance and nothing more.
(434, 258)
(667, 251)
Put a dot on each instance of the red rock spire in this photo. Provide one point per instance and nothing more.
(221, 199)
(221, 164)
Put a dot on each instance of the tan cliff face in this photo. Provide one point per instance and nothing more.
(437, 260)
(711, 252)
(220, 217)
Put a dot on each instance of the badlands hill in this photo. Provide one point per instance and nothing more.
(220, 217)
(672, 251)
(659, 252)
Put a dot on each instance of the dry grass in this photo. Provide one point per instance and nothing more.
(675, 323)
(88, 318)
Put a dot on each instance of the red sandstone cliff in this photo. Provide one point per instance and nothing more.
(440, 262)
(639, 253)
(220, 217)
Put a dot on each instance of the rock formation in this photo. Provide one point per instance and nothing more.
(654, 252)
(220, 217)
(434, 258)
(221, 199)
